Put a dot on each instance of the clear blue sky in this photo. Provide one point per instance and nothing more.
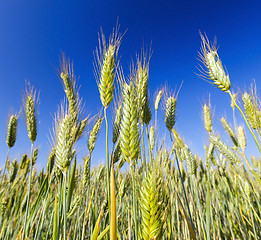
(33, 33)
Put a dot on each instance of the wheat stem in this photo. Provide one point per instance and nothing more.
(113, 217)
(28, 196)
(143, 144)
(40, 225)
(149, 143)
(108, 161)
(156, 133)
(64, 205)
(198, 203)
(185, 195)
(132, 169)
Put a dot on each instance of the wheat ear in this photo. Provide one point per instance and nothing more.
(94, 134)
(207, 118)
(10, 138)
(69, 82)
(214, 68)
(11, 131)
(142, 76)
(224, 149)
(129, 132)
(250, 111)
(151, 205)
(229, 130)
(31, 117)
(117, 124)
(170, 112)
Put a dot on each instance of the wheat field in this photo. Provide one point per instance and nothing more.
(162, 193)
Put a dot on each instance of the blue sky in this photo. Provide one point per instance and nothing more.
(33, 33)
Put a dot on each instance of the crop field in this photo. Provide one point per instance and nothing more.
(160, 193)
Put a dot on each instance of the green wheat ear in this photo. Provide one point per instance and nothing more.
(224, 149)
(207, 118)
(142, 76)
(70, 93)
(94, 134)
(65, 141)
(12, 169)
(117, 153)
(170, 112)
(23, 162)
(106, 65)
(157, 100)
(129, 132)
(3, 205)
(241, 138)
(233, 100)
(69, 83)
(151, 204)
(214, 68)
(230, 131)
(152, 137)
(34, 156)
(106, 86)
(250, 111)
(210, 155)
(30, 115)
(51, 160)
(86, 171)
(191, 163)
(11, 131)
(117, 124)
